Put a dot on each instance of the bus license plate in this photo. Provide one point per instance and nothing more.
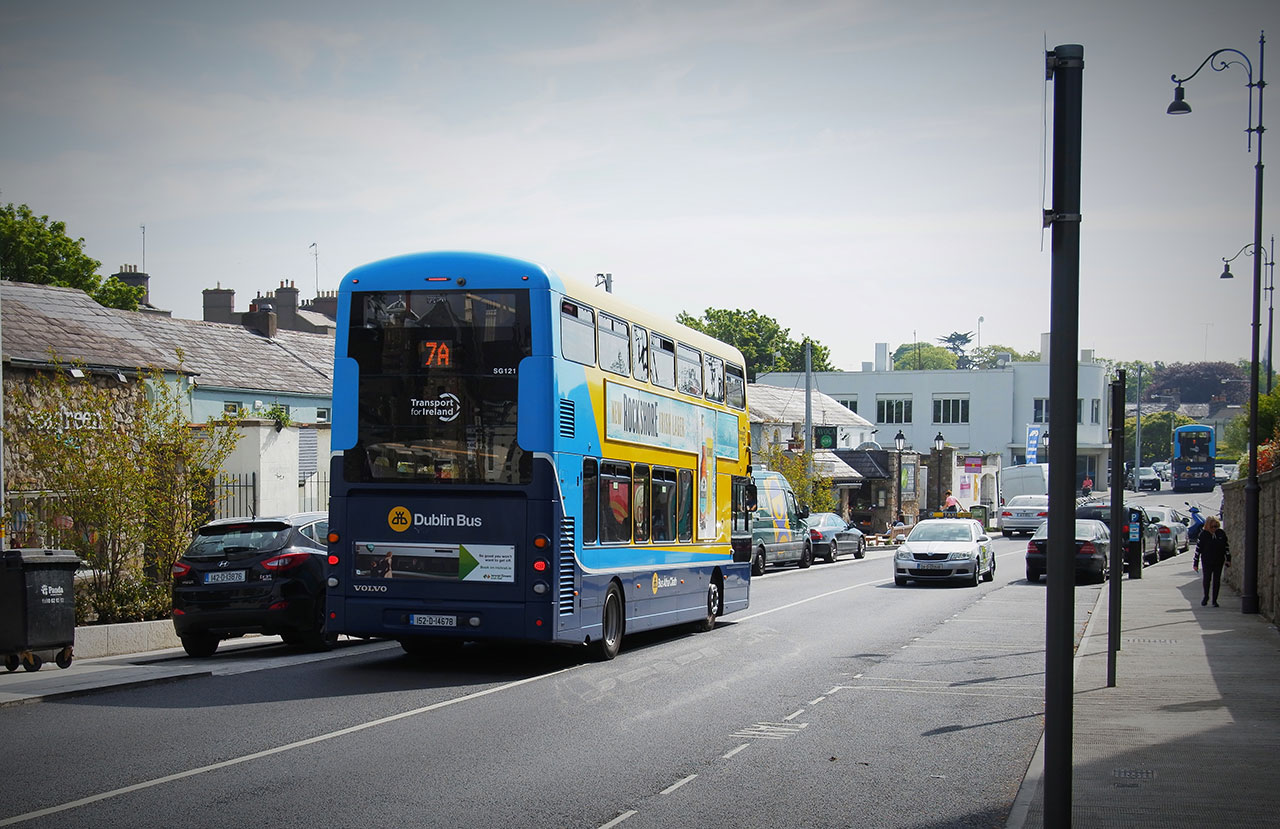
(223, 576)
(432, 621)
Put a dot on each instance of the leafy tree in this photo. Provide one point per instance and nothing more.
(988, 356)
(1157, 435)
(815, 492)
(1130, 367)
(922, 356)
(1199, 382)
(764, 343)
(1235, 441)
(124, 493)
(34, 249)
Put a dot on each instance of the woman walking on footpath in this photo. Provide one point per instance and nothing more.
(1212, 548)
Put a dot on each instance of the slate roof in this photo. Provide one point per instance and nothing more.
(869, 463)
(772, 404)
(39, 317)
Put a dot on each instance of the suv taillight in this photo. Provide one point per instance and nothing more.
(179, 569)
(285, 561)
(814, 535)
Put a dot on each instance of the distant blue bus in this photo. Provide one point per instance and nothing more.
(519, 457)
(1194, 451)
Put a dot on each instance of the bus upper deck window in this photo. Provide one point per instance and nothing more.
(662, 354)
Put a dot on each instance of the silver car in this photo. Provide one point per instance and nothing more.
(945, 548)
(1172, 528)
(1024, 514)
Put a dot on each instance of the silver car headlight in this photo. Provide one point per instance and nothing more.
(904, 555)
(963, 556)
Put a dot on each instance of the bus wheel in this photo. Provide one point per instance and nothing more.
(611, 623)
(713, 607)
(758, 562)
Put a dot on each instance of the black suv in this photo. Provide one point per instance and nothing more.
(253, 575)
(1145, 550)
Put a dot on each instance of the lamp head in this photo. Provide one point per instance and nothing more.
(1226, 271)
(899, 440)
(1179, 105)
(939, 442)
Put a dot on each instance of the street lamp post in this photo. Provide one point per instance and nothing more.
(1219, 62)
(1270, 255)
(899, 441)
(939, 443)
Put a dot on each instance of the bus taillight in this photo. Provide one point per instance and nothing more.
(333, 559)
(333, 538)
(540, 565)
(541, 542)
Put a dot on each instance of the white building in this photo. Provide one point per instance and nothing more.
(986, 411)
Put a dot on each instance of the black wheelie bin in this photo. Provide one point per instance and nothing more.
(37, 607)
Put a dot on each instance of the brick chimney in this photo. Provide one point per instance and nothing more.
(286, 302)
(261, 317)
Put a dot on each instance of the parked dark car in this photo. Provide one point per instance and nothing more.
(831, 536)
(1144, 478)
(253, 575)
(1145, 549)
(1093, 551)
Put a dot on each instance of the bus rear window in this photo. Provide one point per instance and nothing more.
(438, 386)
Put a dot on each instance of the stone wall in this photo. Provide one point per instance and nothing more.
(17, 457)
(1268, 538)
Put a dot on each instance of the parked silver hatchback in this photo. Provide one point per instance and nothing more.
(1024, 514)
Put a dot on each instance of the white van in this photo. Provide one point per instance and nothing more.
(778, 534)
(1025, 479)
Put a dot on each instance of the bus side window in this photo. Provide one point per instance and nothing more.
(713, 377)
(640, 501)
(689, 377)
(615, 345)
(639, 353)
(662, 355)
(735, 386)
(686, 505)
(664, 504)
(615, 497)
(577, 333)
(590, 500)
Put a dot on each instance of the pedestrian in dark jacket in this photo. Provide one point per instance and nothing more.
(1213, 550)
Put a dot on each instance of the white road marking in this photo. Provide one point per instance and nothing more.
(792, 715)
(677, 784)
(813, 598)
(258, 755)
(816, 701)
(734, 751)
(619, 818)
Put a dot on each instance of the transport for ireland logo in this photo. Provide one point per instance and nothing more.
(400, 519)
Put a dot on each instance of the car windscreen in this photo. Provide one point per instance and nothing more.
(227, 539)
(941, 532)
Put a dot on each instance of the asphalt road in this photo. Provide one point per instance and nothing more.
(836, 699)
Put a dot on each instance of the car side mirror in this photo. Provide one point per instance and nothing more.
(984, 538)
(804, 511)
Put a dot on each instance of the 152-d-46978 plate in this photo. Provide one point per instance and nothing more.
(433, 621)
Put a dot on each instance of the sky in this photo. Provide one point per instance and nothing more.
(863, 171)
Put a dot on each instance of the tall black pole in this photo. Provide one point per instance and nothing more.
(1249, 578)
(1065, 66)
(1119, 544)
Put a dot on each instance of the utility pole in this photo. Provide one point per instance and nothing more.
(1137, 428)
(808, 414)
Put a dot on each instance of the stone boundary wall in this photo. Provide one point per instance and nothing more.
(1268, 538)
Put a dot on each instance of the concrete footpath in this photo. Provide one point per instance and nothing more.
(1190, 735)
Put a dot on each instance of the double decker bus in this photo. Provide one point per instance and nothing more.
(1194, 448)
(519, 457)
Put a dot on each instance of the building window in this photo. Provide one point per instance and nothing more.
(230, 407)
(951, 409)
(322, 415)
(1040, 410)
(893, 410)
(850, 403)
(1095, 411)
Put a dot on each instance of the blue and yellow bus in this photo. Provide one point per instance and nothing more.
(1194, 448)
(518, 457)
